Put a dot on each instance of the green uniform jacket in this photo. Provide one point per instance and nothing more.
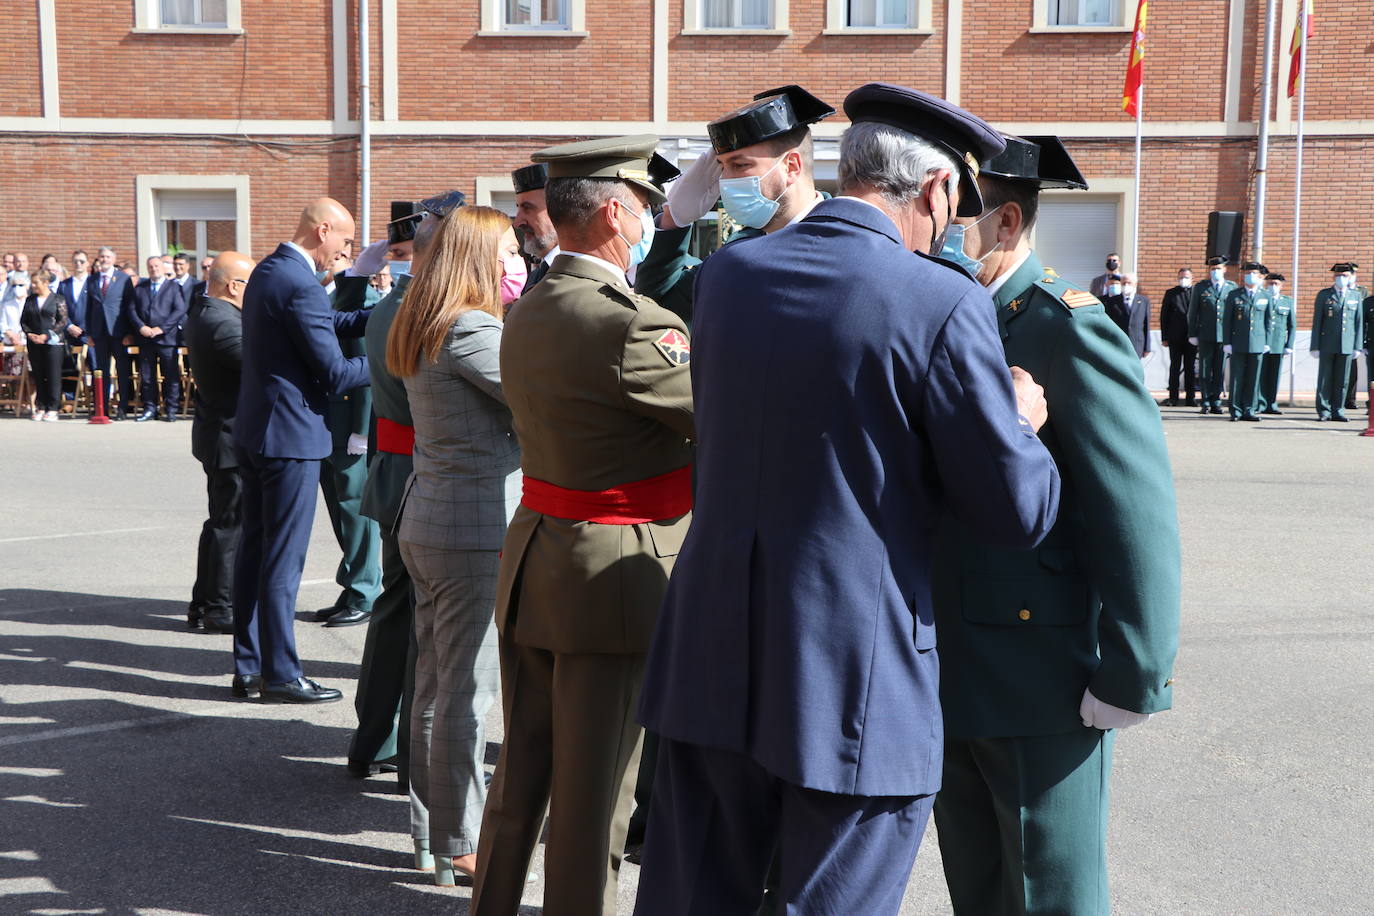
(1022, 633)
(1206, 307)
(1247, 321)
(1283, 331)
(387, 473)
(350, 412)
(1338, 321)
(597, 402)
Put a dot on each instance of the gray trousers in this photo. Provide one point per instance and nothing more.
(457, 675)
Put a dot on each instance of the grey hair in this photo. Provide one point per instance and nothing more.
(572, 201)
(892, 161)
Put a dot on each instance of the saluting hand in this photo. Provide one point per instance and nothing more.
(1030, 398)
(693, 194)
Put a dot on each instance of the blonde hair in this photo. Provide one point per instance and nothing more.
(460, 270)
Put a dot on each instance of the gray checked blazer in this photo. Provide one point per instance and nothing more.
(466, 483)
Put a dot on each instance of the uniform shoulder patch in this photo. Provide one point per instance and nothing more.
(1076, 298)
(675, 347)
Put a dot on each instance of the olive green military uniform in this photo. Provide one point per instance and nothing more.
(386, 676)
(1205, 310)
(597, 404)
(1246, 323)
(1283, 333)
(1023, 809)
(1337, 332)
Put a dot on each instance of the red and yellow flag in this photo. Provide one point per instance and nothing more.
(1302, 30)
(1135, 70)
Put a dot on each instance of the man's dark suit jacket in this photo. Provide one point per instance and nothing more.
(292, 360)
(1173, 316)
(1134, 320)
(107, 313)
(166, 310)
(77, 308)
(214, 342)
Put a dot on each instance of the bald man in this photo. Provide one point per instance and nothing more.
(292, 362)
(214, 343)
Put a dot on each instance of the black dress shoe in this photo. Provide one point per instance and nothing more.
(148, 414)
(363, 770)
(1216, 410)
(1250, 418)
(348, 617)
(1341, 418)
(245, 684)
(170, 418)
(301, 690)
(119, 415)
(218, 621)
(1273, 412)
(1191, 402)
(325, 613)
(193, 617)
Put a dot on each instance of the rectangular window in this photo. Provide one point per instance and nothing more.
(1074, 233)
(534, 14)
(1084, 12)
(881, 14)
(209, 14)
(736, 14)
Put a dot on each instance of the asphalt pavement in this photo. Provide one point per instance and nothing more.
(131, 783)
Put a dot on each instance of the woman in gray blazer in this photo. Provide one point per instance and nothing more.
(446, 344)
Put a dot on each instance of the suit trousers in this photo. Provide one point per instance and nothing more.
(386, 676)
(151, 357)
(1245, 370)
(1022, 824)
(1271, 370)
(719, 817)
(1211, 367)
(572, 747)
(278, 512)
(1183, 362)
(1332, 370)
(359, 575)
(219, 542)
(45, 362)
(112, 350)
(1354, 384)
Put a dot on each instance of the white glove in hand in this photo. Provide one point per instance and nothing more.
(695, 192)
(1316, 354)
(1266, 348)
(1096, 714)
(370, 260)
(1287, 351)
(357, 445)
(1193, 341)
(1226, 348)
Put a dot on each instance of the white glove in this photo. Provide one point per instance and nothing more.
(1226, 348)
(1096, 714)
(1287, 351)
(1316, 354)
(370, 260)
(695, 192)
(1193, 341)
(1266, 348)
(357, 445)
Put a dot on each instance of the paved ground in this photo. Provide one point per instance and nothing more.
(131, 784)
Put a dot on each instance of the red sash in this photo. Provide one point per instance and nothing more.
(665, 496)
(396, 438)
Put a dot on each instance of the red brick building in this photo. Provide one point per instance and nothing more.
(208, 122)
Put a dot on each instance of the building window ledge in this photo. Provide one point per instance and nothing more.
(533, 33)
(761, 33)
(208, 32)
(862, 30)
(1078, 29)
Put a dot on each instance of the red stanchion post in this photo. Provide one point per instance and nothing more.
(1369, 428)
(99, 418)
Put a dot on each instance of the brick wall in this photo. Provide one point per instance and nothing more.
(21, 83)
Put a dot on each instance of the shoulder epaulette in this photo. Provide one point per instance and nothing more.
(1060, 289)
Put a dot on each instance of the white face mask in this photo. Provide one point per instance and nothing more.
(1185, 282)
(1273, 289)
(1218, 276)
(1342, 282)
(1252, 278)
(1128, 290)
(1114, 289)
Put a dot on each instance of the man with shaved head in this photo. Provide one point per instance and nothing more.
(214, 342)
(292, 362)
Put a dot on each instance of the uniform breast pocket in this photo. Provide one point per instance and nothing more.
(1026, 601)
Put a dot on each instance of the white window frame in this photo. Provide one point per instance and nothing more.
(692, 21)
(837, 21)
(146, 213)
(148, 19)
(494, 25)
(1041, 21)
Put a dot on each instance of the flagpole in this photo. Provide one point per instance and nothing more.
(1297, 189)
(1139, 121)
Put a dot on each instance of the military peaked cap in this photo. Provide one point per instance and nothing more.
(969, 139)
(630, 159)
(529, 177)
(771, 114)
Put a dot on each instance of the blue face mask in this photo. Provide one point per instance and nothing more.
(744, 200)
(953, 250)
(1114, 289)
(640, 250)
(399, 267)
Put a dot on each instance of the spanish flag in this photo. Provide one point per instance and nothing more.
(1135, 70)
(1302, 30)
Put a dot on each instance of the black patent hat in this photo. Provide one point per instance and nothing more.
(772, 113)
(529, 177)
(442, 205)
(1042, 160)
(1254, 265)
(1277, 278)
(405, 216)
(1218, 261)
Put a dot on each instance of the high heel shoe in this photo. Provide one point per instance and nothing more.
(423, 860)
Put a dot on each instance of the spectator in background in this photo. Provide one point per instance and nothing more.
(129, 271)
(54, 267)
(76, 291)
(1131, 311)
(12, 298)
(44, 321)
(1173, 334)
(198, 290)
(155, 312)
(1099, 285)
(21, 264)
(381, 281)
(181, 276)
(107, 330)
(7, 262)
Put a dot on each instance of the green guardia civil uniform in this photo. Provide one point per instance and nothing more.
(342, 476)
(1369, 341)
(1206, 307)
(668, 272)
(1337, 332)
(1283, 333)
(1246, 324)
(1023, 809)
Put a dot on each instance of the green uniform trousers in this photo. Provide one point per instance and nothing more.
(1245, 373)
(1211, 363)
(1332, 370)
(359, 575)
(1271, 370)
(1022, 824)
(386, 676)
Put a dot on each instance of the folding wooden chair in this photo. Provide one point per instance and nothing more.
(14, 378)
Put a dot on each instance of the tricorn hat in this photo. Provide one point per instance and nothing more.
(772, 113)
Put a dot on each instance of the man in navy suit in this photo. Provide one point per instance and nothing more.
(291, 364)
(108, 329)
(155, 312)
(848, 393)
(76, 290)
